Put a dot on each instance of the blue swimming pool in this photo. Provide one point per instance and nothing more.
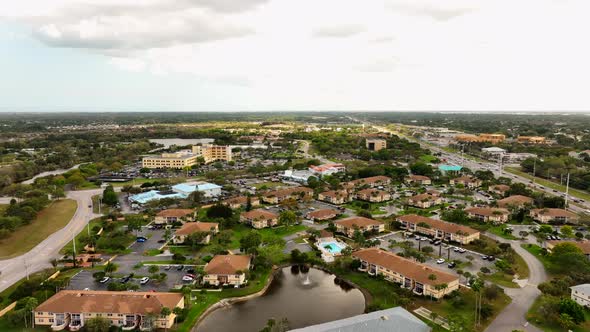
(333, 247)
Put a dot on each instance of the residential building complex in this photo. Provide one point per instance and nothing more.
(515, 201)
(170, 216)
(373, 181)
(373, 195)
(227, 270)
(467, 181)
(349, 225)
(425, 201)
(531, 140)
(323, 214)
(241, 202)
(128, 310)
(409, 274)
(418, 179)
(488, 214)
(259, 218)
(438, 229)
(499, 189)
(336, 196)
(277, 196)
(556, 215)
(210, 228)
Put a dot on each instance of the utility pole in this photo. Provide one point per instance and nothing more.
(26, 268)
(534, 170)
(74, 245)
(567, 188)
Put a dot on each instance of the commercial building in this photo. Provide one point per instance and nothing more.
(327, 169)
(510, 158)
(493, 151)
(211, 153)
(581, 294)
(208, 189)
(297, 193)
(553, 215)
(373, 195)
(375, 144)
(171, 216)
(425, 201)
(395, 319)
(488, 214)
(531, 140)
(489, 138)
(419, 179)
(210, 228)
(227, 270)
(336, 196)
(438, 229)
(349, 225)
(299, 176)
(188, 158)
(259, 218)
(515, 201)
(128, 310)
(409, 274)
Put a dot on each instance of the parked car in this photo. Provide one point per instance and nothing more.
(424, 239)
(144, 280)
(104, 280)
(462, 250)
(141, 239)
(125, 279)
(179, 268)
(187, 278)
(484, 257)
(440, 261)
(167, 267)
(452, 265)
(456, 249)
(491, 258)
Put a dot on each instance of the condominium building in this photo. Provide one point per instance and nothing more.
(499, 189)
(409, 274)
(349, 225)
(531, 139)
(373, 181)
(241, 202)
(466, 181)
(277, 196)
(128, 310)
(188, 158)
(373, 195)
(259, 218)
(336, 196)
(438, 229)
(375, 144)
(170, 216)
(556, 215)
(488, 214)
(227, 270)
(210, 228)
(419, 179)
(425, 201)
(515, 201)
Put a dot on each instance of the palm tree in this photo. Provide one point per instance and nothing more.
(177, 312)
(110, 267)
(431, 277)
(165, 312)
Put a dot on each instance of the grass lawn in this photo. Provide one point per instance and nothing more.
(550, 184)
(79, 244)
(541, 321)
(239, 231)
(501, 279)
(427, 158)
(204, 301)
(51, 219)
(373, 208)
(497, 230)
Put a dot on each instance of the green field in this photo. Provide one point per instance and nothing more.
(51, 219)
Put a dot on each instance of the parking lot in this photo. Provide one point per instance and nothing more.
(85, 280)
(446, 252)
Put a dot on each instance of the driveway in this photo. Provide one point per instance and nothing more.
(513, 316)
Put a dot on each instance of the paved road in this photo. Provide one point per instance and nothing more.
(39, 257)
(513, 316)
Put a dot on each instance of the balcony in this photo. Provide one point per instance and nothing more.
(60, 323)
(130, 323)
(75, 325)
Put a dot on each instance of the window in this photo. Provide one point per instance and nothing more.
(109, 315)
(51, 320)
(41, 320)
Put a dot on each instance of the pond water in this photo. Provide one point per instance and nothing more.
(168, 142)
(304, 298)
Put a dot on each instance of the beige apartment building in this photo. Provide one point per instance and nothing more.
(373, 195)
(336, 196)
(409, 274)
(171, 216)
(488, 214)
(297, 193)
(557, 215)
(349, 225)
(438, 229)
(70, 309)
(259, 218)
(531, 140)
(425, 201)
(182, 159)
(227, 270)
(181, 234)
(241, 202)
(375, 144)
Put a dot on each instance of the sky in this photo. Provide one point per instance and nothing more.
(286, 55)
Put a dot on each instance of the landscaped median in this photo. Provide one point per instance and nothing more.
(49, 220)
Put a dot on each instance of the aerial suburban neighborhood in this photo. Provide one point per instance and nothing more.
(395, 224)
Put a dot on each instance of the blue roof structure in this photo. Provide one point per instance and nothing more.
(154, 195)
(449, 168)
(195, 186)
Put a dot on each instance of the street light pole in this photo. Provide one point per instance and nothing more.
(567, 188)
(534, 170)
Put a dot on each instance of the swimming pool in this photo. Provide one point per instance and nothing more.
(333, 247)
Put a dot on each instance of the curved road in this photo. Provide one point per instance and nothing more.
(39, 258)
(513, 316)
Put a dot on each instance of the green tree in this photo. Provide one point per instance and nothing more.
(110, 267)
(153, 269)
(96, 324)
(572, 309)
(250, 242)
(567, 231)
(165, 312)
(287, 218)
(109, 196)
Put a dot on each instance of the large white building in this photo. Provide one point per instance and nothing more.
(581, 294)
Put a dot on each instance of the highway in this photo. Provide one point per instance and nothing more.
(39, 258)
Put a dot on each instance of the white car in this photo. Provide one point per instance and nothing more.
(424, 239)
(456, 249)
(144, 280)
(104, 280)
(440, 261)
(462, 250)
(187, 278)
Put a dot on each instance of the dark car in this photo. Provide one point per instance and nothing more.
(191, 271)
(491, 258)
(125, 279)
(451, 265)
(179, 268)
(485, 258)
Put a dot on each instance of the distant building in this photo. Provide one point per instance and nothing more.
(419, 179)
(241, 202)
(487, 214)
(493, 151)
(227, 270)
(327, 169)
(188, 158)
(259, 218)
(277, 196)
(499, 189)
(467, 181)
(438, 229)
(171, 216)
(449, 168)
(373, 181)
(531, 140)
(489, 138)
(373, 195)
(349, 225)
(208, 189)
(70, 309)
(300, 176)
(336, 196)
(323, 214)
(515, 201)
(425, 201)
(395, 319)
(189, 228)
(213, 153)
(581, 294)
(408, 273)
(376, 144)
(555, 215)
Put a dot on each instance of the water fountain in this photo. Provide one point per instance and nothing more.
(307, 281)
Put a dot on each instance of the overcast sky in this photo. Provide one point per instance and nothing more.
(215, 55)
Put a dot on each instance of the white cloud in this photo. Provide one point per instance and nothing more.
(381, 54)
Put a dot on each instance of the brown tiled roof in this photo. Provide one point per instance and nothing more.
(259, 214)
(500, 187)
(325, 233)
(433, 192)
(323, 213)
(335, 193)
(583, 245)
(373, 192)
(178, 213)
(408, 268)
(515, 200)
(444, 226)
(370, 180)
(554, 213)
(358, 221)
(237, 200)
(418, 177)
(487, 211)
(75, 301)
(195, 227)
(466, 179)
(227, 264)
(288, 192)
(422, 197)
